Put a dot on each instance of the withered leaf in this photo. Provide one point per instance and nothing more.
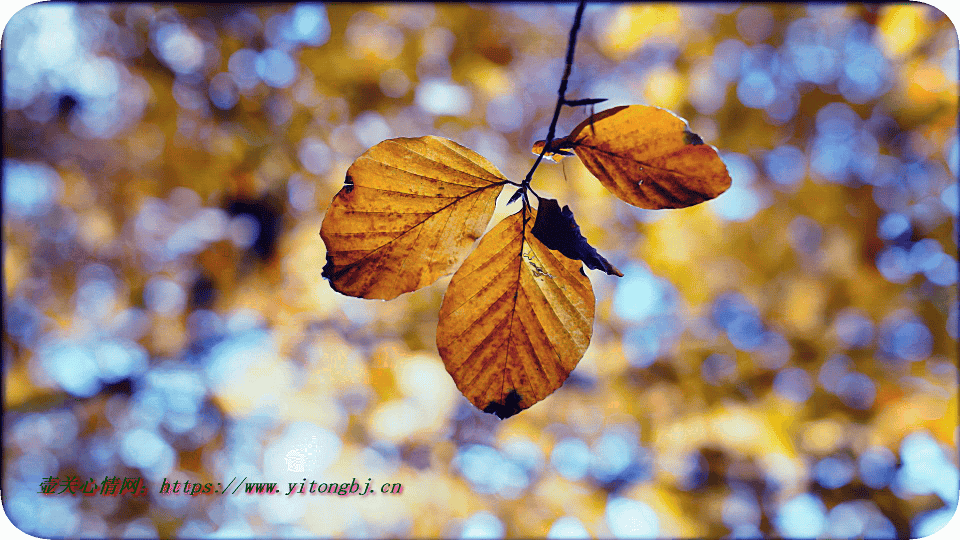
(647, 156)
(515, 320)
(558, 230)
(408, 212)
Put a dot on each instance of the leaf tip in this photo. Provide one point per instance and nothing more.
(509, 407)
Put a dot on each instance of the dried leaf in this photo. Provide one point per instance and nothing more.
(558, 230)
(408, 213)
(515, 320)
(648, 157)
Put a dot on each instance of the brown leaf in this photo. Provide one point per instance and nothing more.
(408, 213)
(515, 320)
(647, 157)
(559, 231)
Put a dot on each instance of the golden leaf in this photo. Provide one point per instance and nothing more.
(408, 213)
(515, 320)
(647, 157)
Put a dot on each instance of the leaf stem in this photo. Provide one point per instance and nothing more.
(561, 93)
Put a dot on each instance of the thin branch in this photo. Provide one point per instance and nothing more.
(583, 102)
(562, 92)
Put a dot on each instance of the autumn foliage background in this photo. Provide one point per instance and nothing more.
(778, 361)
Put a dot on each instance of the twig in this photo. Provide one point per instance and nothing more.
(561, 95)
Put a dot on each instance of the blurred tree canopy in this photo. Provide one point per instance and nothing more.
(780, 361)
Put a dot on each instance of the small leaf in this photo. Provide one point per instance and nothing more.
(515, 320)
(516, 195)
(648, 157)
(554, 153)
(558, 230)
(408, 213)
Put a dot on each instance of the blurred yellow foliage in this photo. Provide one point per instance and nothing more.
(633, 26)
(902, 27)
(808, 313)
(664, 88)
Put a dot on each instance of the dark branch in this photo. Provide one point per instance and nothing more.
(562, 93)
(582, 102)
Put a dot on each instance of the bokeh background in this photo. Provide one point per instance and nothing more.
(781, 361)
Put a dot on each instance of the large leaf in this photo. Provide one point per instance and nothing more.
(516, 319)
(408, 213)
(647, 157)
